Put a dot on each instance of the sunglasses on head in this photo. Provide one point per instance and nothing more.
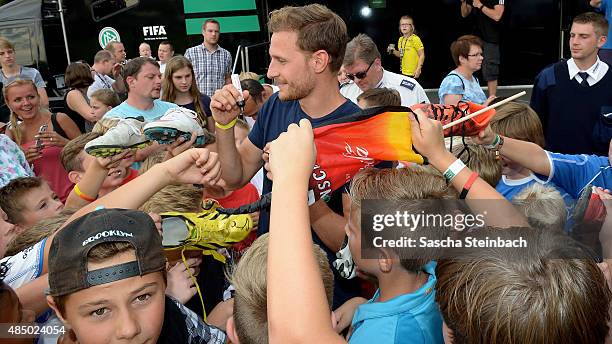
(359, 75)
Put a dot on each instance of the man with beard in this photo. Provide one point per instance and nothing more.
(306, 50)
(143, 83)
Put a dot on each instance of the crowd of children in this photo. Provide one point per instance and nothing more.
(156, 236)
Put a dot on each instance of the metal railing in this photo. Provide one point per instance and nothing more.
(242, 53)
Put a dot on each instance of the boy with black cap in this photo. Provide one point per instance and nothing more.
(107, 279)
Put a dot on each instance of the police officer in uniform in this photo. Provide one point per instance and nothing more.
(363, 66)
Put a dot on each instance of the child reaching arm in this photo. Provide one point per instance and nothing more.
(307, 320)
(290, 246)
(93, 179)
(571, 172)
(195, 166)
(428, 139)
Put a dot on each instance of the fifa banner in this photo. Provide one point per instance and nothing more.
(347, 145)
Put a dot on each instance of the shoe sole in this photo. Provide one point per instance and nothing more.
(110, 150)
(165, 135)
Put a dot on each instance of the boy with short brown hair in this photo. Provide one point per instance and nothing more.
(481, 160)
(92, 176)
(248, 325)
(107, 276)
(28, 200)
(101, 101)
(474, 286)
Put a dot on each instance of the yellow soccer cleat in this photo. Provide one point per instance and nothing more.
(207, 231)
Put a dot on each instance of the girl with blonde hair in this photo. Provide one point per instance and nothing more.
(40, 134)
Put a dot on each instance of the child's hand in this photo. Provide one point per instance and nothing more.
(417, 72)
(344, 314)
(606, 198)
(158, 223)
(292, 154)
(485, 137)
(117, 68)
(488, 101)
(427, 135)
(219, 315)
(113, 161)
(179, 146)
(180, 283)
(255, 218)
(194, 166)
(265, 156)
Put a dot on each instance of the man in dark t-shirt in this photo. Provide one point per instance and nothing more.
(308, 89)
(487, 14)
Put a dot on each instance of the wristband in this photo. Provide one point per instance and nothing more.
(468, 185)
(495, 142)
(81, 195)
(499, 147)
(453, 170)
(228, 125)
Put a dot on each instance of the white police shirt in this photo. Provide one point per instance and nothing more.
(409, 89)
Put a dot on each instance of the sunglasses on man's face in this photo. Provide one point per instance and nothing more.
(359, 75)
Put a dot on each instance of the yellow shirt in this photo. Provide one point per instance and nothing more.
(408, 48)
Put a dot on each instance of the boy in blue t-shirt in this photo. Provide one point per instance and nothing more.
(403, 309)
(521, 122)
(571, 172)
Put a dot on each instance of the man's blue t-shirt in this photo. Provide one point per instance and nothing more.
(274, 118)
(574, 172)
(124, 110)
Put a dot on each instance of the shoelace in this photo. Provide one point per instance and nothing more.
(211, 251)
(211, 226)
(195, 282)
(172, 112)
(209, 244)
(130, 124)
(459, 111)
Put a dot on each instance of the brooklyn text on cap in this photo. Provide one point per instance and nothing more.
(69, 250)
